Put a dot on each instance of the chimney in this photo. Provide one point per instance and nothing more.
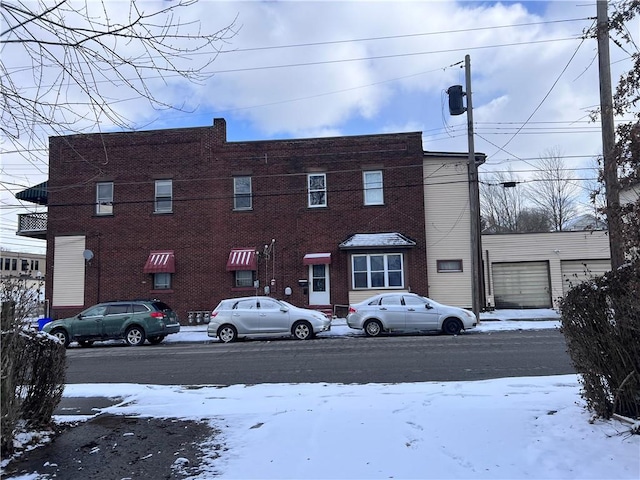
(219, 130)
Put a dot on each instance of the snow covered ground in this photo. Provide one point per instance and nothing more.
(511, 428)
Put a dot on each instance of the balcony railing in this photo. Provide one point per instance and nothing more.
(32, 225)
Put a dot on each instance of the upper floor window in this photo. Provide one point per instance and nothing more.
(317, 189)
(104, 198)
(164, 196)
(372, 182)
(377, 271)
(242, 193)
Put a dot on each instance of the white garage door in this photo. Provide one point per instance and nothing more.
(521, 285)
(577, 271)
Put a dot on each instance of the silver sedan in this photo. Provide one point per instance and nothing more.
(264, 316)
(406, 312)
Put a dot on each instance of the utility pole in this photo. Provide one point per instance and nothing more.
(456, 107)
(474, 200)
(610, 165)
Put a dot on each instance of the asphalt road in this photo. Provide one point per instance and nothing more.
(343, 359)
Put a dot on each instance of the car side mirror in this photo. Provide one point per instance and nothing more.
(79, 316)
(428, 306)
(284, 309)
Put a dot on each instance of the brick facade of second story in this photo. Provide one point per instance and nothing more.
(160, 213)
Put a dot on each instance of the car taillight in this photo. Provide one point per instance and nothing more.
(352, 310)
(157, 315)
(214, 313)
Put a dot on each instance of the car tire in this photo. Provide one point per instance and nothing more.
(134, 336)
(373, 328)
(61, 335)
(302, 330)
(85, 343)
(452, 326)
(227, 333)
(155, 340)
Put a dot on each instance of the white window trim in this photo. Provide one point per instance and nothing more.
(164, 197)
(317, 190)
(386, 271)
(237, 194)
(104, 205)
(369, 189)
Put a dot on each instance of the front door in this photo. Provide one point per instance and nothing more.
(319, 285)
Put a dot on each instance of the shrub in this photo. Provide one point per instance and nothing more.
(33, 373)
(601, 323)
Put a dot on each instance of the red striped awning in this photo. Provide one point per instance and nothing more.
(317, 259)
(242, 259)
(160, 262)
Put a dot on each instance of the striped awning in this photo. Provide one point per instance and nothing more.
(242, 259)
(160, 262)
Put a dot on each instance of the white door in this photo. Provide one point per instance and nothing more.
(319, 285)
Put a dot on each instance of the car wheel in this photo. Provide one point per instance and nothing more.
(85, 343)
(227, 333)
(373, 328)
(135, 336)
(302, 330)
(452, 326)
(61, 335)
(156, 340)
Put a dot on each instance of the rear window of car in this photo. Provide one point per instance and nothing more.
(163, 307)
(138, 307)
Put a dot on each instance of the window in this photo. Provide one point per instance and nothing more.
(161, 281)
(377, 271)
(244, 278)
(96, 311)
(14, 264)
(242, 193)
(319, 278)
(372, 182)
(35, 265)
(317, 189)
(119, 309)
(164, 196)
(449, 266)
(24, 265)
(104, 198)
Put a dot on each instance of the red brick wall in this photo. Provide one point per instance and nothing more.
(203, 226)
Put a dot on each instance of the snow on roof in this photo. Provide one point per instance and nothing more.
(376, 240)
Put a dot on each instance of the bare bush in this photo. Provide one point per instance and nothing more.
(33, 374)
(601, 323)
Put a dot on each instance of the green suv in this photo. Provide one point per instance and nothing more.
(134, 321)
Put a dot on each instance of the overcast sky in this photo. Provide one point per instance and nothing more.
(309, 69)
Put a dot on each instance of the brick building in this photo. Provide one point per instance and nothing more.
(187, 217)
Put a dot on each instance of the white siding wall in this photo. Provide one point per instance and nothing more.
(553, 247)
(448, 234)
(68, 271)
